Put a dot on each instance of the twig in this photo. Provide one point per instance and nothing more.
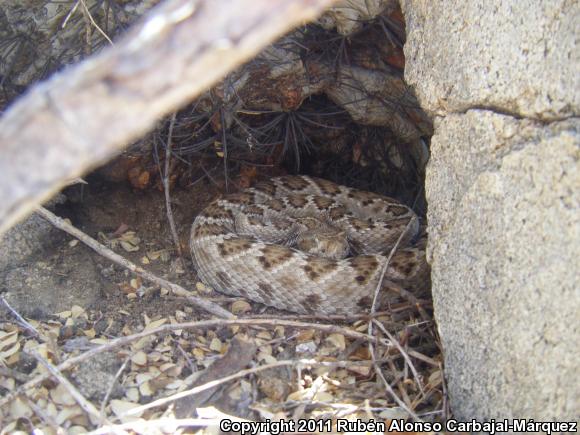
(166, 188)
(116, 258)
(188, 360)
(208, 175)
(225, 148)
(21, 320)
(94, 23)
(42, 414)
(88, 31)
(88, 407)
(386, 266)
(424, 358)
(70, 14)
(403, 353)
(378, 370)
(111, 387)
(203, 324)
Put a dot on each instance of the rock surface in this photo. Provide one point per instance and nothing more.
(29, 236)
(37, 277)
(516, 56)
(38, 288)
(504, 210)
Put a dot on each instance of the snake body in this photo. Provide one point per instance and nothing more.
(307, 245)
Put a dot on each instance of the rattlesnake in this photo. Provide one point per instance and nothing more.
(252, 244)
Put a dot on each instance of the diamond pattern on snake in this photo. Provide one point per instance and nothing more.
(308, 245)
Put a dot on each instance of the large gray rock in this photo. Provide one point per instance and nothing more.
(516, 56)
(503, 189)
(504, 218)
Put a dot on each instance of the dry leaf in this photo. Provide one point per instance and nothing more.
(143, 377)
(7, 383)
(126, 288)
(135, 283)
(128, 241)
(337, 340)
(202, 288)
(323, 396)
(216, 345)
(141, 343)
(435, 378)
(305, 336)
(8, 355)
(154, 255)
(129, 247)
(77, 311)
(145, 389)
(154, 356)
(140, 358)
(19, 409)
(99, 340)
(132, 394)
(170, 369)
(363, 371)
(241, 307)
(8, 340)
(119, 407)
(297, 396)
(264, 335)
(67, 413)
(155, 324)
(64, 314)
(266, 349)
(61, 396)
(268, 359)
(198, 353)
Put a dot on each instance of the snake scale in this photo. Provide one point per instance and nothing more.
(307, 245)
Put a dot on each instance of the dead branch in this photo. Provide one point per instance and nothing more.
(122, 261)
(82, 117)
(167, 188)
(21, 320)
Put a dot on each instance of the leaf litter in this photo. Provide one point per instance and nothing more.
(338, 379)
